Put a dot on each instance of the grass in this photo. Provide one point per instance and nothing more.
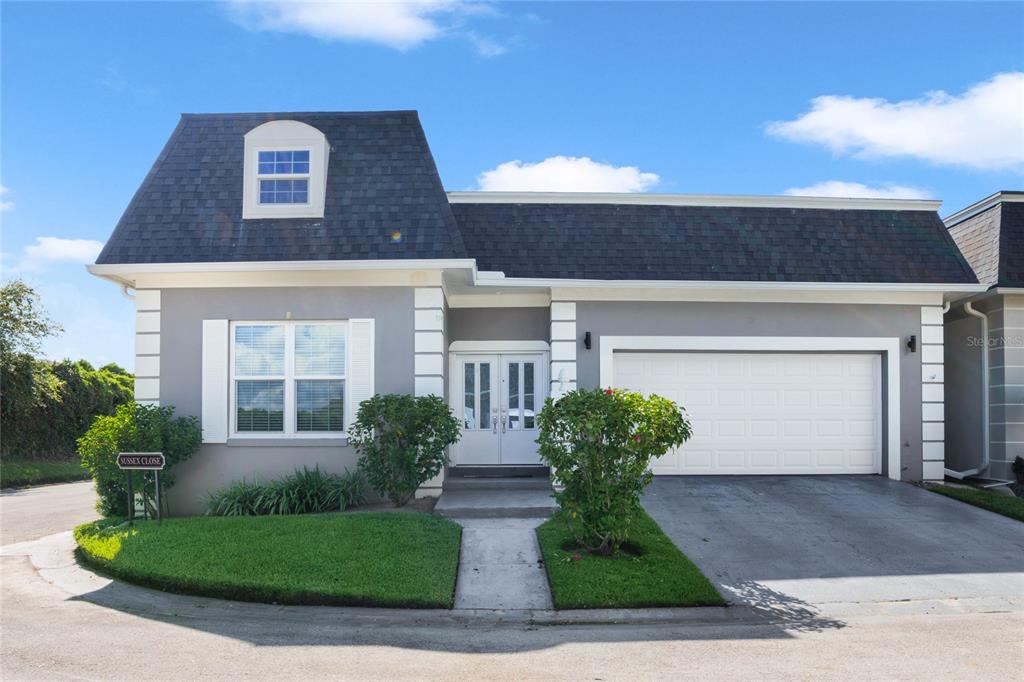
(658, 574)
(17, 473)
(342, 559)
(1012, 507)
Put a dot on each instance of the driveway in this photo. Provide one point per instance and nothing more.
(31, 513)
(817, 539)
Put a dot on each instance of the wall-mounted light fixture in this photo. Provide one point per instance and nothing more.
(912, 343)
(586, 340)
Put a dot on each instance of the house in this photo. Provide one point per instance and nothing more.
(985, 342)
(287, 266)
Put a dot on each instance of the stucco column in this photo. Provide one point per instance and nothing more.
(430, 358)
(933, 427)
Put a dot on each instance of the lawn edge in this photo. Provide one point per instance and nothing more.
(944, 491)
(722, 603)
(185, 588)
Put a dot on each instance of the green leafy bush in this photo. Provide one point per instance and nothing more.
(599, 444)
(46, 406)
(135, 428)
(402, 442)
(306, 491)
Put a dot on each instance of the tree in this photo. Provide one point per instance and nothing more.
(23, 320)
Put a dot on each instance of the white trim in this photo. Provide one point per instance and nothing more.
(289, 378)
(982, 206)
(428, 297)
(147, 299)
(890, 346)
(147, 388)
(563, 310)
(215, 378)
(563, 330)
(499, 300)
(726, 200)
(285, 135)
(499, 347)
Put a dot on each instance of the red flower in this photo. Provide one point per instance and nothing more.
(637, 438)
(576, 556)
(609, 391)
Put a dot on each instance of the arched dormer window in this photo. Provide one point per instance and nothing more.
(285, 171)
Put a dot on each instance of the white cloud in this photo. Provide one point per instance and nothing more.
(49, 251)
(838, 188)
(4, 204)
(982, 128)
(566, 174)
(401, 25)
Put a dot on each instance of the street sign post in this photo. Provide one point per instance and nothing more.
(142, 461)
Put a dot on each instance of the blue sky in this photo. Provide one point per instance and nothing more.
(913, 99)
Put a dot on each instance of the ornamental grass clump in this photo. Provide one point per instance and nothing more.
(599, 445)
(305, 491)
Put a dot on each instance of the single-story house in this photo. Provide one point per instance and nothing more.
(287, 266)
(985, 342)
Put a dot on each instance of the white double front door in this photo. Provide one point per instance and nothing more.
(497, 398)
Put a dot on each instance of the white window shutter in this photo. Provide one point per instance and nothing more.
(360, 366)
(215, 381)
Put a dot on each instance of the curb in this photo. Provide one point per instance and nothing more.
(53, 560)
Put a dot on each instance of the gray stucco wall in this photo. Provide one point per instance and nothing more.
(964, 425)
(962, 390)
(633, 318)
(499, 324)
(182, 315)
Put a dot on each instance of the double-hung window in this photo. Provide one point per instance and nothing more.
(283, 176)
(288, 378)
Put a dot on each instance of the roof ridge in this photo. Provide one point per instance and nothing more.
(256, 114)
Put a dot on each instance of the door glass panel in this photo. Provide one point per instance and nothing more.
(528, 399)
(485, 394)
(514, 421)
(469, 395)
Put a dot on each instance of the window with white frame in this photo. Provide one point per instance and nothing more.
(288, 378)
(283, 176)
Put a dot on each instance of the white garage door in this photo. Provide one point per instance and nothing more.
(766, 413)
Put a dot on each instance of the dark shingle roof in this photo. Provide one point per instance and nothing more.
(653, 242)
(991, 235)
(1011, 245)
(381, 178)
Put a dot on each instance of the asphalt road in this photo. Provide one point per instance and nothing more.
(107, 630)
(32, 513)
(49, 636)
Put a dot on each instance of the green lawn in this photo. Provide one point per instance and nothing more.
(367, 559)
(1000, 504)
(660, 575)
(16, 472)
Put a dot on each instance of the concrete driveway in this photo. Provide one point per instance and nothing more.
(803, 540)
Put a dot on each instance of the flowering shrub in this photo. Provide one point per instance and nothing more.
(599, 444)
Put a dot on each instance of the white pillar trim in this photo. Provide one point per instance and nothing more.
(147, 346)
(429, 309)
(933, 432)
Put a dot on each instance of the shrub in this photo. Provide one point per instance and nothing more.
(308, 491)
(135, 428)
(599, 444)
(402, 442)
(1018, 469)
(46, 406)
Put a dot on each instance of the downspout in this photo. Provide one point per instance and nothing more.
(985, 417)
(124, 291)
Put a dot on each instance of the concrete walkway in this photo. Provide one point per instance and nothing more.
(500, 566)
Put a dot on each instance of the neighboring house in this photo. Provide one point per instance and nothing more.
(288, 266)
(990, 233)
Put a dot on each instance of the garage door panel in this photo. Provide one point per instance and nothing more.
(761, 413)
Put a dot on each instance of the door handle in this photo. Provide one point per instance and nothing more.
(494, 424)
(503, 423)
